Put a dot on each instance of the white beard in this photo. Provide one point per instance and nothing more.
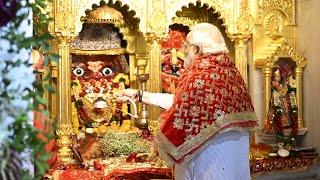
(189, 59)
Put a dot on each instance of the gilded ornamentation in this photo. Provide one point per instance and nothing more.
(64, 142)
(245, 22)
(66, 26)
(144, 120)
(273, 25)
(245, 26)
(83, 5)
(63, 10)
(99, 52)
(287, 7)
(185, 21)
(103, 14)
(131, 44)
(154, 64)
(225, 8)
(64, 112)
(64, 92)
(141, 63)
(158, 17)
(241, 58)
(285, 50)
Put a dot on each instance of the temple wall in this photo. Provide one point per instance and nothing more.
(307, 39)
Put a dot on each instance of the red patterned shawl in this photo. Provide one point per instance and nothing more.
(210, 98)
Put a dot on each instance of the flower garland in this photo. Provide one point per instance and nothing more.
(82, 108)
(20, 92)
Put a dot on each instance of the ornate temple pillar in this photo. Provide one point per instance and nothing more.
(266, 73)
(298, 71)
(131, 50)
(245, 25)
(52, 97)
(154, 85)
(241, 58)
(155, 30)
(64, 130)
(132, 73)
(63, 28)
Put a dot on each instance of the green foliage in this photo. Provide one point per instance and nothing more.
(25, 134)
(116, 144)
(286, 140)
(79, 104)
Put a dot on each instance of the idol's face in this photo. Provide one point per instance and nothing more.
(96, 74)
(87, 70)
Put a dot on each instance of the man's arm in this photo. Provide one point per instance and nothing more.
(162, 100)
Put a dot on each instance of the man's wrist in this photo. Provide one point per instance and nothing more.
(140, 95)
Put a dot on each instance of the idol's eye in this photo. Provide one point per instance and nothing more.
(107, 71)
(78, 71)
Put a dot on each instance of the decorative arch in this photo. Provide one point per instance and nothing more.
(214, 18)
(185, 21)
(125, 5)
(217, 5)
(127, 29)
(286, 51)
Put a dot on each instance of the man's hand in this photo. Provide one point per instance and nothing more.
(122, 99)
(124, 95)
(130, 92)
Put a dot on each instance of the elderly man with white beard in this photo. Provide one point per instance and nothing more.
(205, 128)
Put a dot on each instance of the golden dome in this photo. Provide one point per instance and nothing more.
(104, 14)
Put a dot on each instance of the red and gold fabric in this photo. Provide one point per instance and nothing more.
(43, 124)
(211, 98)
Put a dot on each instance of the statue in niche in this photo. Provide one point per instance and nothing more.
(104, 130)
(172, 57)
(95, 113)
(283, 111)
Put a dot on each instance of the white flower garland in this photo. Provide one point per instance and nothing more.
(16, 76)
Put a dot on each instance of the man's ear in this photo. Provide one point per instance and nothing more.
(199, 50)
(196, 48)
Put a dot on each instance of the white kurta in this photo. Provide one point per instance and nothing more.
(226, 158)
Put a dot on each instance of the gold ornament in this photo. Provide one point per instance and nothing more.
(64, 142)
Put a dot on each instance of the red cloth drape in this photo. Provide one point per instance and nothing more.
(211, 97)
